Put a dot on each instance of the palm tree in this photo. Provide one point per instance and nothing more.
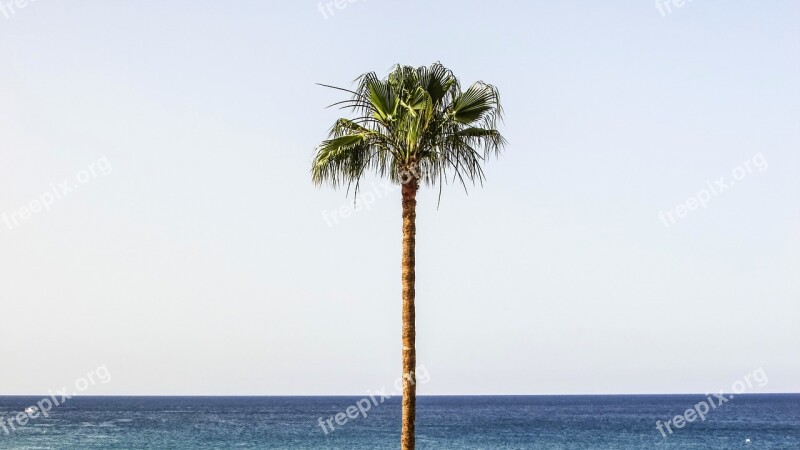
(415, 127)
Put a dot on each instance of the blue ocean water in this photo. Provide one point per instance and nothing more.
(448, 422)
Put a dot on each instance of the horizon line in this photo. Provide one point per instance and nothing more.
(397, 395)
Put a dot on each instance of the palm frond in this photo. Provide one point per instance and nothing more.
(414, 120)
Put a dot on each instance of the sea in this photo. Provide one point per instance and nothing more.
(747, 421)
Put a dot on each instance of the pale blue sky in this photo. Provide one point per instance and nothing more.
(200, 262)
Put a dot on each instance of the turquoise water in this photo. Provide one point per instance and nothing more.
(483, 422)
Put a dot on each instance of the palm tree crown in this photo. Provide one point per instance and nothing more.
(416, 121)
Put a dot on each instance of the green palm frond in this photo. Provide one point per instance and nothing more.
(416, 120)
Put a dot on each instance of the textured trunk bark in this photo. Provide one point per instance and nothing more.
(409, 325)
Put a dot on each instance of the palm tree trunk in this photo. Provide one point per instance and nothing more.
(409, 330)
